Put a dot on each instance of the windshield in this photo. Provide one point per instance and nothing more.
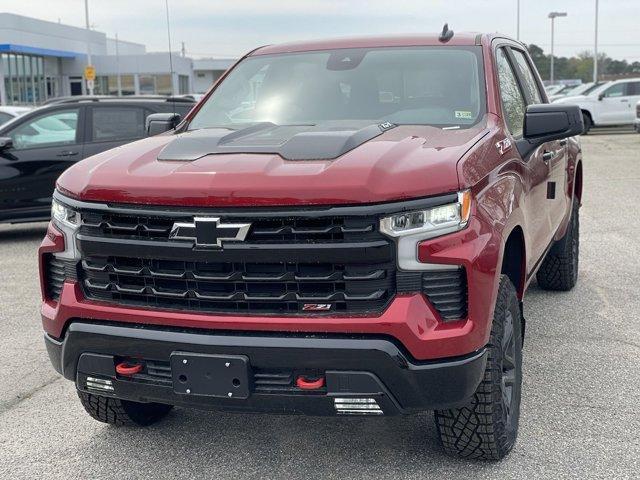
(414, 85)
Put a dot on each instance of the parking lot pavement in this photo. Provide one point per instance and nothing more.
(580, 414)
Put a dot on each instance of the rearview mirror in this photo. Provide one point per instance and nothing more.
(546, 122)
(6, 143)
(157, 123)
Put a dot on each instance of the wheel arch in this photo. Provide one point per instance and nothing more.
(514, 259)
(577, 183)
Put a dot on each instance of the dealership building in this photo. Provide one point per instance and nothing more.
(40, 60)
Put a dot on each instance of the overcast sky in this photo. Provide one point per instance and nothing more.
(229, 28)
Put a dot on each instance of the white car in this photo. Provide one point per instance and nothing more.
(9, 113)
(582, 89)
(610, 104)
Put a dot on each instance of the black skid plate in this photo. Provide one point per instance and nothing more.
(211, 375)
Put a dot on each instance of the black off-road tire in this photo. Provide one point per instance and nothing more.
(559, 269)
(122, 412)
(487, 427)
(588, 123)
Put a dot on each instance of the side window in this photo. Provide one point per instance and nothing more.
(634, 88)
(117, 123)
(530, 84)
(617, 90)
(57, 128)
(4, 117)
(513, 103)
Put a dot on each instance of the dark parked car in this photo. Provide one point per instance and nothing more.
(38, 147)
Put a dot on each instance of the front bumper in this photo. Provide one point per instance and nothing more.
(363, 367)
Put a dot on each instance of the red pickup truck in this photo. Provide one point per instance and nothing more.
(342, 227)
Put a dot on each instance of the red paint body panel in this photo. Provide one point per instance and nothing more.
(402, 163)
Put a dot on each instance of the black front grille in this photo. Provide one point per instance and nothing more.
(263, 230)
(447, 292)
(284, 287)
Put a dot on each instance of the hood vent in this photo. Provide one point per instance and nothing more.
(291, 142)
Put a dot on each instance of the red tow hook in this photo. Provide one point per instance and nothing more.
(127, 369)
(305, 383)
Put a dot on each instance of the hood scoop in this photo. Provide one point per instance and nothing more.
(295, 142)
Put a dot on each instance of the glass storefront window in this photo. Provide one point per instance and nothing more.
(183, 81)
(163, 85)
(108, 85)
(147, 85)
(23, 78)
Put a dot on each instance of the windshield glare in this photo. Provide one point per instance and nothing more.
(412, 85)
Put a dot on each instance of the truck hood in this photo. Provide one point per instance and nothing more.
(397, 163)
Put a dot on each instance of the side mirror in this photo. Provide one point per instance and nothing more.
(601, 96)
(6, 143)
(157, 123)
(549, 121)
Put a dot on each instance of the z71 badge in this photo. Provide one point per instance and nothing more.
(503, 146)
(316, 307)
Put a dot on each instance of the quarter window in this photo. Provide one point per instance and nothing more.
(117, 123)
(513, 103)
(529, 80)
(58, 128)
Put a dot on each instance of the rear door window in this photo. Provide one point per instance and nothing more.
(117, 123)
(634, 88)
(513, 103)
(530, 84)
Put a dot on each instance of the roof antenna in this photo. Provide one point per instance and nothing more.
(173, 99)
(446, 34)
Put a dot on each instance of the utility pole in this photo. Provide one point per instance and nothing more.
(89, 63)
(518, 21)
(553, 16)
(118, 78)
(595, 49)
(183, 50)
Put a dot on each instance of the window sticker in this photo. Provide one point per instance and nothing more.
(464, 114)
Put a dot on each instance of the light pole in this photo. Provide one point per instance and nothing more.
(86, 17)
(595, 49)
(518, 21)
(553, 16)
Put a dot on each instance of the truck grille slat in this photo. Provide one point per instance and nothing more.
(291, 265)
(102, 281)
(264, 230)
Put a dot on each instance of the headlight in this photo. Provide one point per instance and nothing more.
(411, 228)
(63, 214)
(432, 222)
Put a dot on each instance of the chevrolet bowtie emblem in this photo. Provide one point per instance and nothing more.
(209, 232)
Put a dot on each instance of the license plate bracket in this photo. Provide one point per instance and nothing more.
(209, 375)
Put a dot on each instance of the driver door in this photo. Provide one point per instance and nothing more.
(43, 146)
(614, 105)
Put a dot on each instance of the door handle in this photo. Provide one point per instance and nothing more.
(546, 156)
(624, 100)
(68, 153)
